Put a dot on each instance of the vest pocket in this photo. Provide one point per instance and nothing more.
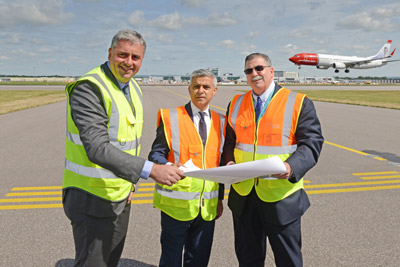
(178, 203)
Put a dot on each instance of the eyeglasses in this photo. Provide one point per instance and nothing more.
(257, 68)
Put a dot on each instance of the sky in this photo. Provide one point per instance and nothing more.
(71, 37)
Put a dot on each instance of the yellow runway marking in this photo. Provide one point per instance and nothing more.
(32, 199)
(352, 150)
(358, 189)
(24, 207)
(146, 184)
(150, 189)
(36, 188)
(374, 173)
(380, 177)
(351, 184)
(34, 194)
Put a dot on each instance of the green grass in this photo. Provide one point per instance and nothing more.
(383, 99)
(14, 100)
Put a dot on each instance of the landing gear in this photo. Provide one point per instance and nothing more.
(336, 71)
(346, 70)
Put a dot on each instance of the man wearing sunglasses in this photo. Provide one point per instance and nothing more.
(270, 121)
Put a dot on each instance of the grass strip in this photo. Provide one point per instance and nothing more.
(14, 100)
(382, 99)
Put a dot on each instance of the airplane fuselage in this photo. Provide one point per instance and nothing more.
(325, 61)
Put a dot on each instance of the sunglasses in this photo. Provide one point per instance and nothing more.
(257, 68)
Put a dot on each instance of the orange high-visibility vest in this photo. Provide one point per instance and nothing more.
(187, 197)
(273, 135)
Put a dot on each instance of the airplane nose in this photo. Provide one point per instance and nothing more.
(293, 59)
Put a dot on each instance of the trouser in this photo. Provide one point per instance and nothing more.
(195, 235)
(251, 233)
(99, 241)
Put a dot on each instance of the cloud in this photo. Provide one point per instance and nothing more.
(176, 21)
(165, 38)
(221, 20)
(4, 58)
(136, 18)
(173, 21)
(192, 3)
(24, 53)
(387, 11)
(227, 43)
(301, 33)
(315, 4)
(366, 22)
(253, 35)
(381, 18)
(290, 48)
(32, 13)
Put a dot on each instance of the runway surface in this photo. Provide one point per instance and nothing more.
(354, 189)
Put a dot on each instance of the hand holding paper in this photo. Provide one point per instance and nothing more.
(237, 172)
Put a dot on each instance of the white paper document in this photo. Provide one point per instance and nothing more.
(237, 172)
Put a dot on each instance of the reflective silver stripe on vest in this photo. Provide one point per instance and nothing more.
(266, 150)
(222, 137)
(74, 138)
(235, 111)
(88, 171)
(124, 146)
(114, 123)
(210, 195)
(176, 147)
(287, 119)
(176, 194)
(287, 125)
(137, 91)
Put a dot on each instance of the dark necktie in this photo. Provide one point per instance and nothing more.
(202, 128)
(125, 90)
(258, 107)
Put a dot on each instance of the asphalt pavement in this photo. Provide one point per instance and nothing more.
(354, 189)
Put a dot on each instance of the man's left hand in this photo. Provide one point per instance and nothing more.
(285, 175)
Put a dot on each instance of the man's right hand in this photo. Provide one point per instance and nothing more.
(166, 174)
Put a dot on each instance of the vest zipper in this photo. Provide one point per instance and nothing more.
(255, 147)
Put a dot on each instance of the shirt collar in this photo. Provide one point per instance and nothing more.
(264, 96)
(196, 110)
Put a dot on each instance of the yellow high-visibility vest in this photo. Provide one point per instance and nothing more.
(124, 129)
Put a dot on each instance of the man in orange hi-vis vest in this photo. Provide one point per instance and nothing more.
(189, 208)
(270, 121)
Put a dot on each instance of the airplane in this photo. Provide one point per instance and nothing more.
(323, 61)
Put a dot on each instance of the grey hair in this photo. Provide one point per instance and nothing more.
(254, 55)
(203, 73)
(129, 35)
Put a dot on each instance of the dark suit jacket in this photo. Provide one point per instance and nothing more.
(90, 117)
(160, 150)
(309, 144)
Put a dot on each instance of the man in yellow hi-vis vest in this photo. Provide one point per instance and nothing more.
(104, 127)
(270, 121)
(189, 207)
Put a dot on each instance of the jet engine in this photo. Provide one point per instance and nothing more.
(338, 65)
